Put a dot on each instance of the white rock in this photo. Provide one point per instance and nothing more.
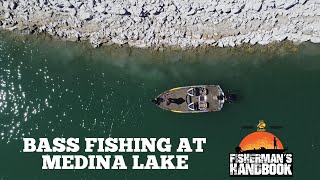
(195, 35)
(263, 42)
(290, 3)
(305, 38)
(12, 28)
(315, 39)
(280, 37)
(42, 28)
(72, 12)
(253, 41)
(91, 3)
(222, 7)
(302, 1)
(43, 2)
(6, 5)
(211, 6)
(85, 15)
(280, 3)
(13, 5)
(100, 9)
(67, 4)
(172, 8)
(118, 41)
(134, 10)
(236, 9)
(210, 41)
(140, 44)
(246, 40)
(118, 11)
(256, 5)
(7, 15)
(232, 44)
(163, 23)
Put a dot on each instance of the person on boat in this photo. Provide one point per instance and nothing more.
(176, 101)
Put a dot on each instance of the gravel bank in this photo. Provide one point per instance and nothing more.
(166, 23)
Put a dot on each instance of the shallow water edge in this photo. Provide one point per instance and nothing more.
(211, 53)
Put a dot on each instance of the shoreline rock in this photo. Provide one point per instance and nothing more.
(166, 23)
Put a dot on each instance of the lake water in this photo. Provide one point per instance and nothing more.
(51, 88)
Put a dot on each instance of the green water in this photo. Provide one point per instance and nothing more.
(51, 88)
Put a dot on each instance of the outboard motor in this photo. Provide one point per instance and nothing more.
(231, 97)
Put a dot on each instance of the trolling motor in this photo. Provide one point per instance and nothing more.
(157, 100)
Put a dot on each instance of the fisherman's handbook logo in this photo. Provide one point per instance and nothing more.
(261, 154)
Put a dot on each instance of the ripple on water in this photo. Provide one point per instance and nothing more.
(36, 97)
(15, 107)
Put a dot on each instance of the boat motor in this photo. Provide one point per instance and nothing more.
(231, 97)
(158, 100)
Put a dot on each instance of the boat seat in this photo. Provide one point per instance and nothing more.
(191, 92)
(194, 106)
(203, 105)
(202, 98)
(204, 91)
(197, 91)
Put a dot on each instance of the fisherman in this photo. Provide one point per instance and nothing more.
(176, 101)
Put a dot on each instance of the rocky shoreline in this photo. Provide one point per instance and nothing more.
(160, 24)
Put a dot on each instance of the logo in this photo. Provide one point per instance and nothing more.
(261, 126)
(261, 153)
